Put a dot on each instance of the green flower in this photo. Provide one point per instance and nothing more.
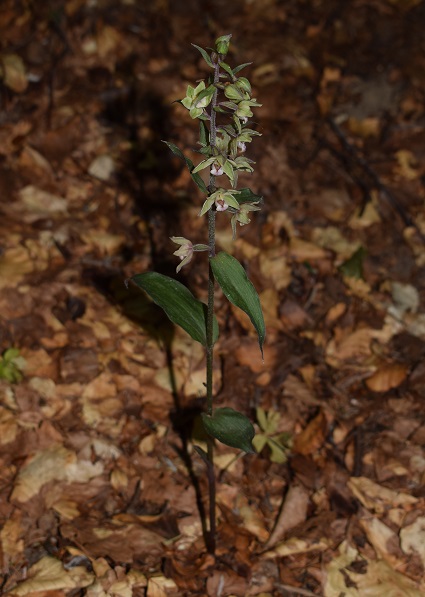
(243, 111)
(223, 198)
(186, 250)
(241, 215)
(198, 98)
(222, 44)
(234, 92)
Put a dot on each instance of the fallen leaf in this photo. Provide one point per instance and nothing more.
(387, 377)
(13, 72)
(311, 437)
(412, 538)
(48, 574)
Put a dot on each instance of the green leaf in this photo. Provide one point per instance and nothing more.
(190, 166)
(230, 428)
(240, 67)
(205, 55)
(247, 196)
(259, 442)
(278, 453)
(227, 68)
(353, 267)
(204, 133)
(178, 302)
(236, 286)
(204, 164)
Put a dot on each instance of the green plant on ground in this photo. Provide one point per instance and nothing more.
(223, 105)
(10, 365)
(279, 443)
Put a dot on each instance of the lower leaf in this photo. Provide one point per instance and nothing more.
(230, 428)
(178, 303)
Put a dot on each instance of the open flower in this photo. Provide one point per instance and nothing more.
(185, 252)
(223, 198)
(221, 205)
(216, 170)
(198, 98)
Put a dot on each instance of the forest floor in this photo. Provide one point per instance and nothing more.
(101, 491)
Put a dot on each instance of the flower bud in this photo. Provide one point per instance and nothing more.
(222, 44)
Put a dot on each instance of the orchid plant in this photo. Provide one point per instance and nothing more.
(223, 105)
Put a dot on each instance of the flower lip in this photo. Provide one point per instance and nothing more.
(221, 205)
(216, 170)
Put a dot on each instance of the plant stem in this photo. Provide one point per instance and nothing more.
(210, 334)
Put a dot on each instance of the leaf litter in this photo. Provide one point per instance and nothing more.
(96, 496)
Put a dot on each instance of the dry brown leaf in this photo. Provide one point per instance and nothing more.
(374, 578)
(48, 574)
(332, 238)
(377, 498)
(41, 204)
(335, 313)
(293, 316)
(274, 267)
(53, 464)
(248, 354)
(363, 217)
(227, 582)
(102, 167)
(252, 520)
(407, 164)
(160, 586)
(293, 512)
(367, 127)
(8, 426)
(351, 346)
(302, 250)
(14, 264)
(12, 70)
(11, 536)
(383, 539)
(387, 377)
(107, 40)
(105, 242)
(412, 538)
(299, 390)
(311, 437)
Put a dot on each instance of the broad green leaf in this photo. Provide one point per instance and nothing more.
(247, 196)
(178, 303)
(190, 166)
(205, 55)
(230, 428)
(236, 286)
